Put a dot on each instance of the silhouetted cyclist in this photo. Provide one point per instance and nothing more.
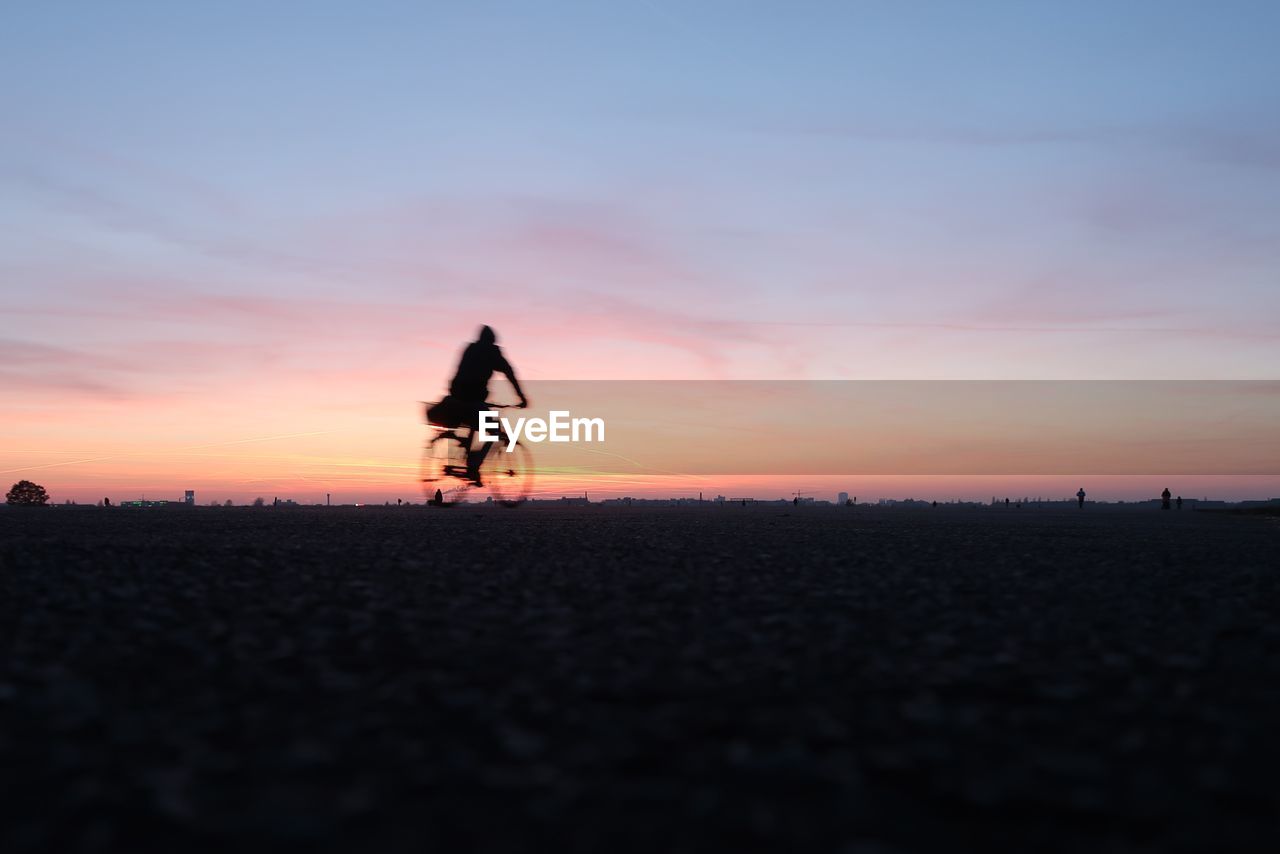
(470, 389)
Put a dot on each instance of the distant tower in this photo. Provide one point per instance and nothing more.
(190, 498)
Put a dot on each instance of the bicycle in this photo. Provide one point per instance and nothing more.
(507, 474)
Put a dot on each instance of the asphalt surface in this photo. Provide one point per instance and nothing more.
(587, 679)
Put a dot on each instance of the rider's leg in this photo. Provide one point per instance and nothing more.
(475, 455)
(467, 438)
(475, 458)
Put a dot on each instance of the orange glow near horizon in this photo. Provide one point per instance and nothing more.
(307, 467)
(272, 437)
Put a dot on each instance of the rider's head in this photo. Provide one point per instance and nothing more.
(487, 335)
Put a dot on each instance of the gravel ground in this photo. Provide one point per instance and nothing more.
(653, 680)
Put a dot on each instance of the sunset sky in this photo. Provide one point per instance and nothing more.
(239, 241)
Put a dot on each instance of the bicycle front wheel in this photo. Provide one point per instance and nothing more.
(509, 475)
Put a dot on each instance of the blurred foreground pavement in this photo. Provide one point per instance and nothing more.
(592, 679)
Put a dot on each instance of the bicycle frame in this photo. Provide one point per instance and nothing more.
(456, 467)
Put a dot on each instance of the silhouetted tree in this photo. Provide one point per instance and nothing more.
(27, 493)
(259, 502)
(227, 503)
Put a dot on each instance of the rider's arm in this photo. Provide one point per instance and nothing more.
(515, 383)
(504, 367)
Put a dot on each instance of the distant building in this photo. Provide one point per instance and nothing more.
(190, 498)
(842, 499)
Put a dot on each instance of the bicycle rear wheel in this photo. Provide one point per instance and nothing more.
(434, 472)
(508, 474)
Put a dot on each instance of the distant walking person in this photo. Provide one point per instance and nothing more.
(1164, 498)
(1179, 502)
(468, 391)
(1080, 497)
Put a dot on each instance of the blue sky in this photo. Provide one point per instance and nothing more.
(979, 165)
